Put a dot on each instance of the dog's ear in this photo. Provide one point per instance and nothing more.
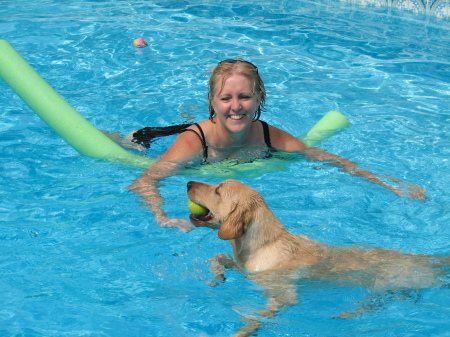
(235, 225)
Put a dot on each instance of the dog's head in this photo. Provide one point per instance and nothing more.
(232, 206)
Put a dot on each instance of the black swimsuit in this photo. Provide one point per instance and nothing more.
(201, 137)
(146, 135)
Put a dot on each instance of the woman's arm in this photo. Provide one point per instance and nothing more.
(402, 189)
(286, 142)
(186, 148)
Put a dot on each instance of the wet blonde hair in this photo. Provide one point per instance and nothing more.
(236, 66)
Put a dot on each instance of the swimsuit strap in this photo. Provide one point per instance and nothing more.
(145, 136)
(266, 134)
(202, 139)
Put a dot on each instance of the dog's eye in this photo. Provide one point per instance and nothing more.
(217, 190)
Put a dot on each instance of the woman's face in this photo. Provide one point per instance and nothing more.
(235, 103)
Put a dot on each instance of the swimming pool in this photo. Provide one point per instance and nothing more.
(80, 257)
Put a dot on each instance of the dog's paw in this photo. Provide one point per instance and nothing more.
(213, 283)
(218, 279)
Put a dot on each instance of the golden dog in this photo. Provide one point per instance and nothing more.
(261, 244)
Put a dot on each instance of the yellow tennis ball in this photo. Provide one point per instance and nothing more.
(196, 209)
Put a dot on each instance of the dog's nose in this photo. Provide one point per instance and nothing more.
(189, 184)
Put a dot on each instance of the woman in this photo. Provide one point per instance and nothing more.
(233, 130)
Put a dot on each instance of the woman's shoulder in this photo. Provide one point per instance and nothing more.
(284, 141)
(188, 145)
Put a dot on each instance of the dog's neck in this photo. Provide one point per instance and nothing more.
(262, 233)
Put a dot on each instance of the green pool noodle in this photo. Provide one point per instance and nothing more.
(328, 125)
(88, 140)
(57, 113)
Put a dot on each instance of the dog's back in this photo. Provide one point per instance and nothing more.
(277, 259)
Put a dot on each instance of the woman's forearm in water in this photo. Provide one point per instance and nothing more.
(148, 190)
(147, 186)
(350, 167)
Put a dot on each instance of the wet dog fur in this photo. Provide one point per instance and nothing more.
(262, 246)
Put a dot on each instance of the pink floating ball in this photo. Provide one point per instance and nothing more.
(140, 43)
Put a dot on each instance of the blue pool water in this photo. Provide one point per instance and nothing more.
(79, 256)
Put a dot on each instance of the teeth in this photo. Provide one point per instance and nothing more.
(237, 117)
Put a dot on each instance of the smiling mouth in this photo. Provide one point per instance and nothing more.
(237, 117)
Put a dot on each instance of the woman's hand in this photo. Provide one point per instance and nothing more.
(403, 188)
(183, 225)
(147, 186)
